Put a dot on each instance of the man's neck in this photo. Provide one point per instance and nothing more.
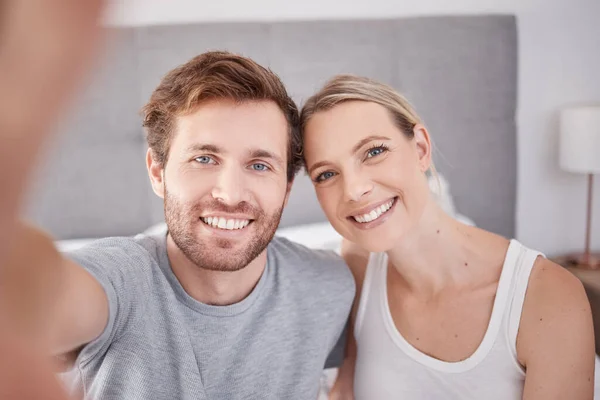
(219, 288)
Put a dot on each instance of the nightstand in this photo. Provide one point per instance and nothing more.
(591, 282)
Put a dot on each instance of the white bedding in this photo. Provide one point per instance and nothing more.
(320, 235)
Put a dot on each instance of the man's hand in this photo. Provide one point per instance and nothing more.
(45, 46)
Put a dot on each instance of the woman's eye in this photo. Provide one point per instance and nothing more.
(259, 167)
(324, 176)
(204, 160)
(375, 152)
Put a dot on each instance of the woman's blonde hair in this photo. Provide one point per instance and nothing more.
(343, 88)
(346, 87)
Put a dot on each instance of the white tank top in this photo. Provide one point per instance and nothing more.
(388, 367)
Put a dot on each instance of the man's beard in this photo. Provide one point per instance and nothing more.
(218, 254)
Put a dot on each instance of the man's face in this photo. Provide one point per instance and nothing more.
(225, 184)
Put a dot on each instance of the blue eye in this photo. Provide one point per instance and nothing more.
(324, 176)
(259, 167)
(375, 151)
(204, 160)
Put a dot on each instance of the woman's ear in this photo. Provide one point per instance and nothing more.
(423, 144)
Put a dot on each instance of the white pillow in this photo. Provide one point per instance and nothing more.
(440, 188)
(154, 230)
(464, 219)
(320, 235)
(73, 244)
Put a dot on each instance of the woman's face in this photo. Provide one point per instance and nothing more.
(368, 176)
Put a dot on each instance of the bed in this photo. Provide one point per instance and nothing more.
(459, 71)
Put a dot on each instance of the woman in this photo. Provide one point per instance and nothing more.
(443, 310)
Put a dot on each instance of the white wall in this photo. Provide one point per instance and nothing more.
(559, 63)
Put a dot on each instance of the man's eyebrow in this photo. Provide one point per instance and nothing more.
(211, 148)
(261, 153)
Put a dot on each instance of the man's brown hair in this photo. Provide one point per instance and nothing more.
(210, 76)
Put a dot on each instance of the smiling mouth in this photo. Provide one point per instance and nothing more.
(226, 223)
(375, 213)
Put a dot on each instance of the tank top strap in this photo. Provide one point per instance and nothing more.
(524, 266)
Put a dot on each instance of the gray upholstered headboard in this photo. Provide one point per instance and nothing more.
(460, 73)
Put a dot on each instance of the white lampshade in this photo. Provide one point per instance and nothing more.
(580, 139)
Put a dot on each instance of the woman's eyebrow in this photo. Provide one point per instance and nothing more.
(366, 140)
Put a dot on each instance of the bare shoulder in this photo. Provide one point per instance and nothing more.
(556, 306)
(555, 342)
(552, 287)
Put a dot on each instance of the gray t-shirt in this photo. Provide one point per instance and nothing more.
(160, 343)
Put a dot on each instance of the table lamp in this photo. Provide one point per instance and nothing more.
(580, 153)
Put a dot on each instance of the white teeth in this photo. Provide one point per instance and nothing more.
(223, 223)
(374, 214)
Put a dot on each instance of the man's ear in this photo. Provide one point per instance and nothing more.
(422, 141)
(156, 174)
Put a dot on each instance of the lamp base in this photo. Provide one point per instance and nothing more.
(579, 260)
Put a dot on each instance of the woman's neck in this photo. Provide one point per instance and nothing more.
(441, 253)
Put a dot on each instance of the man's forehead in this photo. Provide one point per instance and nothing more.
(272, 141)
(259, 128)
(222, 112)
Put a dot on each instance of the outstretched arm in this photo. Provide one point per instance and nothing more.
(45, 45)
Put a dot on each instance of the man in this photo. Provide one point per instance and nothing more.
(217, 308)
